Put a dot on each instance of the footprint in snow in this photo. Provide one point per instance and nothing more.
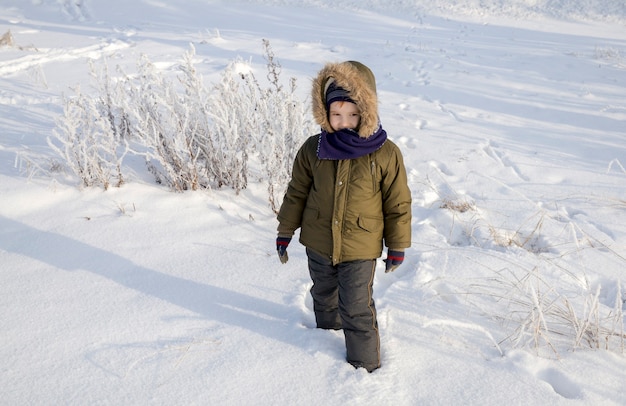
(407, 142)
(560, 383)
(420, 124)
(492, 150)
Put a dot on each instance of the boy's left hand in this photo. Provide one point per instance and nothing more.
(394, 259)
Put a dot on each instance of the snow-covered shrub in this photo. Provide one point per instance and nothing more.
(191, 136)
(538, 313)
(161, 121)
(229, 114)
(6, 40)
(280, 125)
(87, 142)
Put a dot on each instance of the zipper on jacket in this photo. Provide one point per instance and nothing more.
(373, 166)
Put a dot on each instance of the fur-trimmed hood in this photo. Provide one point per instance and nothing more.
(359, 81)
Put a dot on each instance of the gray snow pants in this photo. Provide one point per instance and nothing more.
(342, 299)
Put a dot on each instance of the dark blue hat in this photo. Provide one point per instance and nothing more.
(336, 93)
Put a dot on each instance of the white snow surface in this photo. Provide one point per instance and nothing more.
(512, 119)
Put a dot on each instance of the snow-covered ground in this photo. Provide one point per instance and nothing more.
(512, 119)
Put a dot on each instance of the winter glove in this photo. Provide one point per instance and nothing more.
(281, 247)
(394, 259)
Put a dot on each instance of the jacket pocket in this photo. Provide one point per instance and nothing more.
(371, 224)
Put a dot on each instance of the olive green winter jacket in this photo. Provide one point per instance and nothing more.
(346, 208)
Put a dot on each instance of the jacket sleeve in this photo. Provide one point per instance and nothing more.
(396, 203)
(294, 201)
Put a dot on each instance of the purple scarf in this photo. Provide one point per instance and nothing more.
(346, 144)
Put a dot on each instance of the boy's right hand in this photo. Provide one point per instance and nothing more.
(281, 248)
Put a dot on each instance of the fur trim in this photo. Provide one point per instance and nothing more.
(359, 81)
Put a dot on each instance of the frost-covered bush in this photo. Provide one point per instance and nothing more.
(192, 136)
(539, 314)
(88, 143)
(162, 123)
(280, 124)
(6, 40)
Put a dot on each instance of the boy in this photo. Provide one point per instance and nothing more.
(348, 193)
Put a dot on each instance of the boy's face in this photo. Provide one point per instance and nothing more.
(343, 114)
